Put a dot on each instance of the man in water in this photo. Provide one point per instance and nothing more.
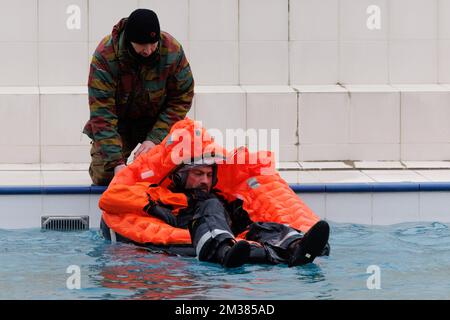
(213, 224)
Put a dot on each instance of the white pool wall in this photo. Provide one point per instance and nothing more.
(338, 86)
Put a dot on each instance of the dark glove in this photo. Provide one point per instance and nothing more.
(165, 214)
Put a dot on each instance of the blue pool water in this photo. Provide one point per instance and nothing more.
(413, 259)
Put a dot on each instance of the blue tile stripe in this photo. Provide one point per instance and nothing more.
(298, 188)
(50, 190)
(371, 187)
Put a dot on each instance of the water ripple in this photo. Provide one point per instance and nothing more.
(413, 259)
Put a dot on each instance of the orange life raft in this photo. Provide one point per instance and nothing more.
(250, 177)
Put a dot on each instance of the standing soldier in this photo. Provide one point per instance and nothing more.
(140, 84)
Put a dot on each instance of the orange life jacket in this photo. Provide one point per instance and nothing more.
(265, 195)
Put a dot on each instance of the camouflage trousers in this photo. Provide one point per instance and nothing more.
(99, 175)
(131, 136)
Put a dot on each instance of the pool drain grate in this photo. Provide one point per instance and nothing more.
(65, 223)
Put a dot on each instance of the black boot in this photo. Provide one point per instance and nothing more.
(233, 255)
(311, 245)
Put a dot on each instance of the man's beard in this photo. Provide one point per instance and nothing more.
(203, 187)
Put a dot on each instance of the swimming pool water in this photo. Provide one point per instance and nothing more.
(413, 259)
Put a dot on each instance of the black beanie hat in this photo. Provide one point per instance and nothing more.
(142, 27)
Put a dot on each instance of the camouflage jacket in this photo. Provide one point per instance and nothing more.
(121, 89)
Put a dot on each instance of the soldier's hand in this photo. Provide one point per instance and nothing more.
(145, 146)
(119, 168)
